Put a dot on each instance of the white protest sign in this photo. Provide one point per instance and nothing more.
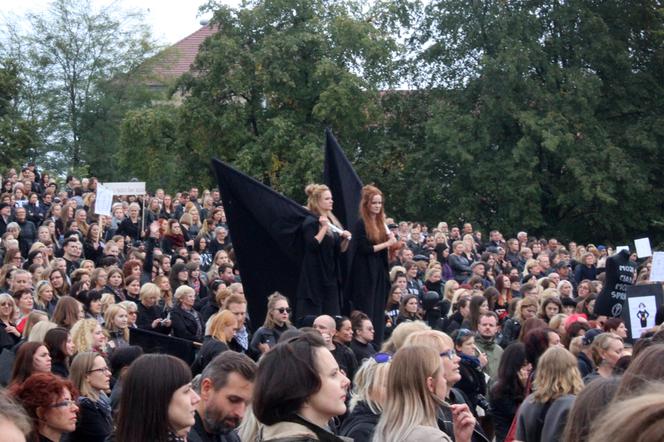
(103, 200)
(643, 249)
(657, 270)
(128, 188)
(619, 248)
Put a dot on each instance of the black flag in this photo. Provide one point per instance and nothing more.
(345, 185)
(267, 238)
(346, 188)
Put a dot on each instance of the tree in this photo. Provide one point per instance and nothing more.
(16, 134)
(545, 121)
(275, 75)
(67, 55)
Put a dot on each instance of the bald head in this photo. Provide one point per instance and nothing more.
(325, 324)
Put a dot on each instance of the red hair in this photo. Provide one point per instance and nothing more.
(375, 226)
(40, 391)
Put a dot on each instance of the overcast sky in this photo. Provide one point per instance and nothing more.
(170, 20)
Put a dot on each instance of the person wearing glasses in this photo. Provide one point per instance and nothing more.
(453, 397)
(276, 322)
(367, 398)
(416, 388)
(91, 377)
(9, 335)
(49, 402)
(185, 320)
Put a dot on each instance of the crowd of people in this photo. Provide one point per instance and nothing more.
(448, 336)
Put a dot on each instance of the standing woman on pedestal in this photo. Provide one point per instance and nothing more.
(319, 287)
(369, 277)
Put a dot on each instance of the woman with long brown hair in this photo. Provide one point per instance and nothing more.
(369, 277)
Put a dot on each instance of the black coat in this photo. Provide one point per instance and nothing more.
(460, 265)
(185, 326)
(211, 348)
(127, 228)
(95, 422)
(318, 289)
(369, 280)
(360, 423)
(362, 351)
(146, 315)
(197, 433)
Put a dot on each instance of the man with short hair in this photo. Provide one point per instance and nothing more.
(226, 274)
(226, 387)
(237, 304)
(327, 326)
(544, 262)
(487, 329)
(529, 291)
(72, 253)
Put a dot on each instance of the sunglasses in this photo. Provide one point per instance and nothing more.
(382, 358)
(284, 310)
(449, 354)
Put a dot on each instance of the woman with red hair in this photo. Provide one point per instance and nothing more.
(369, 278)
(50, 401)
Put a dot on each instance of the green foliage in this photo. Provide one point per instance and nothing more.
(274, 76)
(68, 57)
(16, 134)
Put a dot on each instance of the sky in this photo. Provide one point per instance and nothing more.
(170, 20)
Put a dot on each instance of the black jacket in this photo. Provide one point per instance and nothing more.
(197, 433)
(360, 423)
(95, 422)
(185, 326)
(211, 348)
(146, 315)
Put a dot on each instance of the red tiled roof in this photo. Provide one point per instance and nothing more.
(177, 59)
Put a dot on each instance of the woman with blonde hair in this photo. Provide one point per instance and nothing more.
(9, 334)
(220, 331)
(367, 398)
(369, 278)
(45, 299)
(276, 323)
(150, 314)
(88, 335)
(166, 295)
(416, 387)
(116, 323)
(606, 350)
(543, 414)
(90, 375)
(319, 286)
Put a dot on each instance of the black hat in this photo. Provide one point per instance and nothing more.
(3, 205)
(590, 336)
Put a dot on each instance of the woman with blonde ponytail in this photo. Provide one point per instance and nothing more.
(319, 287)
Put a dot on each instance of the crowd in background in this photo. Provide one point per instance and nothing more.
(482, 337)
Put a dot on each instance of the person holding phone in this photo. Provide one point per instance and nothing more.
(473, 361)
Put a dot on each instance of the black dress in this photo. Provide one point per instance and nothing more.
(318, 289)
(369, 280)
